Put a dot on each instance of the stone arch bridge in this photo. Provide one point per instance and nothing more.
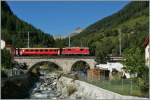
(65, 63)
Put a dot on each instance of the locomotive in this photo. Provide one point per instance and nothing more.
(52, 51)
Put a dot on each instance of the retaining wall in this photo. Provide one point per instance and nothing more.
(93, 92)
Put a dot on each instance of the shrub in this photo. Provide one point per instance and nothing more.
(71, 89)
(144, 85)
(3, 74)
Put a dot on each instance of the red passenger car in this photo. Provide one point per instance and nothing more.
(37, 51)
(75, 51)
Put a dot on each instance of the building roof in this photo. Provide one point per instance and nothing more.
(110, 66)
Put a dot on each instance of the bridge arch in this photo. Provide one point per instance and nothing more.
(48, 64)
(80, 65)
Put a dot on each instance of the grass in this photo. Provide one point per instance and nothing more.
(119, 86)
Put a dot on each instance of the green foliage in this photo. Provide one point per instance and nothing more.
(134, 60)
(102, 37)
(134, 63)
(14, 31)
(144, 85)
(6, 59)
(3, 74)
(144, 79)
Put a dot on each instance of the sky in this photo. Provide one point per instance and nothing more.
(63, 17)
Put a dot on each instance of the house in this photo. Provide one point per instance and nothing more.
(146, 46)
(110, 66)
(113, 66)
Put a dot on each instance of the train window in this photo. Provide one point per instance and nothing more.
(69, 49)
(26, 50)
(49, 50)
(46, 50)
(41, 50)
(81, 49)
(36, 50)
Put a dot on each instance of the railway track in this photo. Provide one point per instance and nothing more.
(49, 57)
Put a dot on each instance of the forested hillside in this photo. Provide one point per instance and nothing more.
(103, 36)
(14, 30)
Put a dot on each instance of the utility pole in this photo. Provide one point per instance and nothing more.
(69, 40)
(81, 43)
(119, 31)
(60, 37)
(28, 39)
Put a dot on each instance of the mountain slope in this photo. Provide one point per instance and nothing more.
(14, 31)
(103, 36)
(130, 11)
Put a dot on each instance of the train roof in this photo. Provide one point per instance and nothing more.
(76, 48)
(39, 48)
(59, 48)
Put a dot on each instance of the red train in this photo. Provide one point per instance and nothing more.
(52, 51)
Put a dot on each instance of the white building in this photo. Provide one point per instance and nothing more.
(2, 44)
(146, 44)
(113, 65)
(110, 66)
